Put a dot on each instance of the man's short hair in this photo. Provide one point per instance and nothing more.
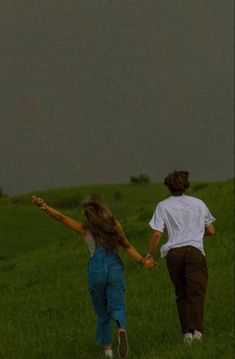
(177, 182)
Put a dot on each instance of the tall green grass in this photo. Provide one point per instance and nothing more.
(45, 308)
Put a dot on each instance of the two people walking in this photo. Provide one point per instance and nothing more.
(187, 220)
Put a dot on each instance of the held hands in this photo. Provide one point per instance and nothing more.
(148, 262)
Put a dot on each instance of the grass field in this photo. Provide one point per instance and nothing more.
(45, 308)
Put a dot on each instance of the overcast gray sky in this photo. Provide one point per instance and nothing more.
(97, 91)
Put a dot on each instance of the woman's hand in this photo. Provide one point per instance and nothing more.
(39, 202)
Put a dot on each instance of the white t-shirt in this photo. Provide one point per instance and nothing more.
(185, 218)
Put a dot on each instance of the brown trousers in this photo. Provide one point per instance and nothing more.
(188, 271)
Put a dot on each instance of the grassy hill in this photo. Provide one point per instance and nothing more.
(45, 308)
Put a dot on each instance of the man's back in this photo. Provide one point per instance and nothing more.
(185, 218)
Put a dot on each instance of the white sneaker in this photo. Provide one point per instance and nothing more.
(188, 338)
(108, 353)
(197, 335)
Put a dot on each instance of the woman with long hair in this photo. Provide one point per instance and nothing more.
(103, 236)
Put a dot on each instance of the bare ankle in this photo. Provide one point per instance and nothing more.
(108, 347)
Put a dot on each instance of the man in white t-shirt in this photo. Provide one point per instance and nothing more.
(187, 220)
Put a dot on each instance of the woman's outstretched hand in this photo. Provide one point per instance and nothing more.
(39, 202)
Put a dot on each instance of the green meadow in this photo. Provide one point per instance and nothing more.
(45, 308)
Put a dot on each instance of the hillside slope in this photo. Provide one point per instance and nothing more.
(45, 306)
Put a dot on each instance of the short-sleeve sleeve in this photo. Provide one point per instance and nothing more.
(157, 221)
(208, 217)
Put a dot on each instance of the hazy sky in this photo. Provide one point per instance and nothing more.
(94, 91)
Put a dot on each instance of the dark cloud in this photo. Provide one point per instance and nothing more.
(99, 91)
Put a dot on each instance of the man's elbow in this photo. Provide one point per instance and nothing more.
(210, 230)
(213, 230)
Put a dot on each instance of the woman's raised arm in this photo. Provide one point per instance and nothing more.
(69, 222)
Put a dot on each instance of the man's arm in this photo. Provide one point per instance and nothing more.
(209, 230)
(147, 263)
(156, 236)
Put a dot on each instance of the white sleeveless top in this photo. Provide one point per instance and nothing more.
(90, 242)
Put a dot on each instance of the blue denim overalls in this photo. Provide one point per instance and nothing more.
(106, 286)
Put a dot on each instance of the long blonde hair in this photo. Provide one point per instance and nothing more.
(102, 225)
